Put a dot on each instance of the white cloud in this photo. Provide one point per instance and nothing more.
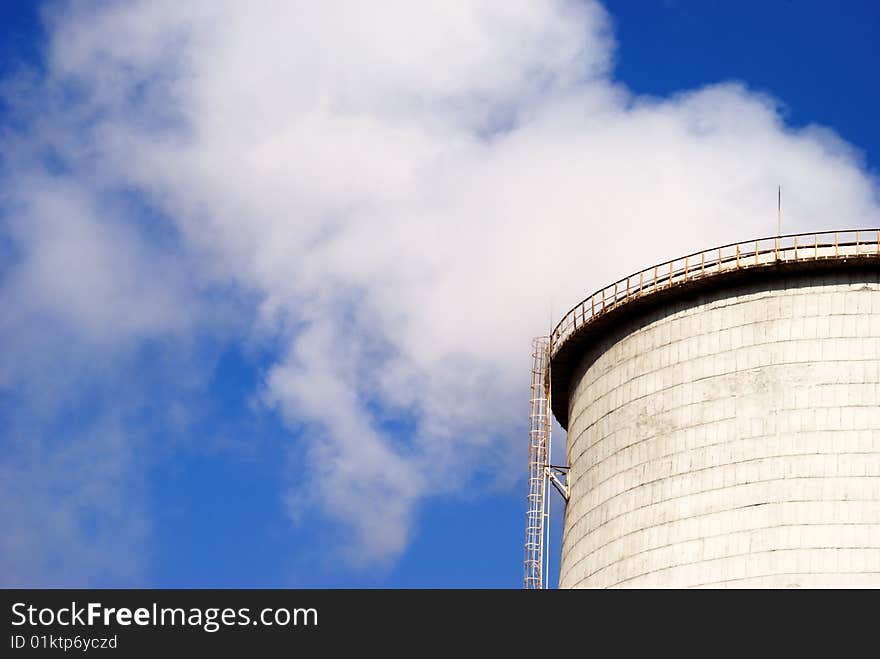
(412, 192)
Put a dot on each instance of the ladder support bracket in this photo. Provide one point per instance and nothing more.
(561, 484)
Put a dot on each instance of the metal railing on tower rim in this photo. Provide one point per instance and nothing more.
(761, 252)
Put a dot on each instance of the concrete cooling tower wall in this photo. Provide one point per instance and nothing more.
(727, 434)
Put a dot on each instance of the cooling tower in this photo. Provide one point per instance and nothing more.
(723, 419)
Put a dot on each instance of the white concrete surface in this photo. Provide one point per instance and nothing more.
(731, 441)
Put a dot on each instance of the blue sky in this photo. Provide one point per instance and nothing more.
(271, 292)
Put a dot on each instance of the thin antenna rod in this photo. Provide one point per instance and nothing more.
(778, 211)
